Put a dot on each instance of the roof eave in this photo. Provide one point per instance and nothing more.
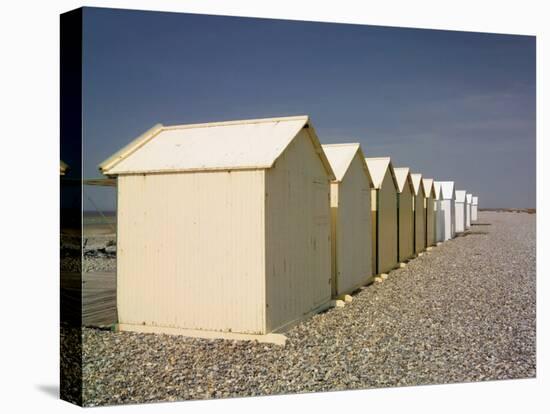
(318, 148)
(128, 149)
(193, 170)
(365, 167)
(394, 178)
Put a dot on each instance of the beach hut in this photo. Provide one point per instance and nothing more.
(223, 228)
(474, 208)
(429, 192)
(350, 218)
(419, 214)
(439, 213)
(448, 208)
(63, 167)
(460, 211)
(384, 214)
(405, 212)
(468, 210)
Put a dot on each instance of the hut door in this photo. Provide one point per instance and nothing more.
(321, 283)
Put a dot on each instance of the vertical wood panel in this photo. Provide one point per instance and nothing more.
(474, 212)
(298, 246)
(353, 253)
(191, 250)
(430, 221)
(460, 217)
(387, 234)
(447, 207)
(406, 228)
(420, 225)
(374, 229)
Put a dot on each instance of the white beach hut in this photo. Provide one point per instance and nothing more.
(468, 210)
(351, 218)
(384, 214)
(419, 214)
(448, 208)
(429, 192)
(460, 211)
(474, 208)
(222, 227)
(439, 213)
(405, 212)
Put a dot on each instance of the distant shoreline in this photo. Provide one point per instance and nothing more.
(511, 210)
(95, 213)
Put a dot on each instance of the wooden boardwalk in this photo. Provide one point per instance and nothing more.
(98, 295)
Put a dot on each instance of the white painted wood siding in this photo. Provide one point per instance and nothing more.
(420, 223)
(406, 224)
(387, 220)
(460, 217)
(351, 236)
(447, 206)
(374, 225)
(468, 216)
(191, 250)
(298, 247)
(430, 221)
(439, 221)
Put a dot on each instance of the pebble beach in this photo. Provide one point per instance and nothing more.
(465, 311)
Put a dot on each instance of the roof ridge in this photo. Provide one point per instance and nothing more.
(343, 144)
(305, 118)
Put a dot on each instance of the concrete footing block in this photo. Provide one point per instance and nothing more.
(345, 298)
(271, 338)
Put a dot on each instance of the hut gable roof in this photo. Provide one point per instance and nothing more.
(428, 184)
(447, 189)
(231, 145)
(340, 157)
(417, 184)
(377, 168)
(402, 176)
(468, 198)
(474, 200)
(438, 190)
(460, 196)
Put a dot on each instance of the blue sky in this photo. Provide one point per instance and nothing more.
(451, 105)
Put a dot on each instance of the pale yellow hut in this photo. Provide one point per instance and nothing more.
(405, 222)
(419, 214)
(439, 213)
(351, 218)
(223, 228)
(384, 214)
(429, 193)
